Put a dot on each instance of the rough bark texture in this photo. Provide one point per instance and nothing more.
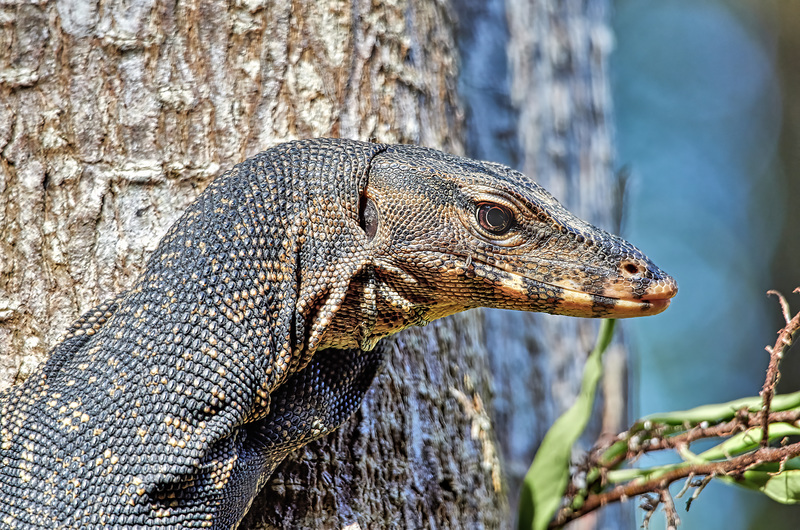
(534, 82)
(115, 115)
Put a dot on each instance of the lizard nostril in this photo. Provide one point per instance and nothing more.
(630, 268)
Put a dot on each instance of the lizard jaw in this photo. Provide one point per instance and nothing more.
(576, 303)
(615, 302)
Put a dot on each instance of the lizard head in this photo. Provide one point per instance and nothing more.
(447, 233)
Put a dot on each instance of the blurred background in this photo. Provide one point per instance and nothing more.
(708, 127)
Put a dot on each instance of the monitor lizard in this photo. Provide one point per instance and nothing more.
(255, 326)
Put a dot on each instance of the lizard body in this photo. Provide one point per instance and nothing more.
(255, 326)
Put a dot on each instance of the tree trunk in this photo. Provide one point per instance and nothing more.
(535, 86)
(113, 118)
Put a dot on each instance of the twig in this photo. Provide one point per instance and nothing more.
(649, 504)
(733, 467)
(743, 420)
(784, 304)
(698, 488)
(775, 356)
(686, 486)
(669, 510)
(643, 438)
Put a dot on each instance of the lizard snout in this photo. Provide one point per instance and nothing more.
(641, 279)
(640, 288)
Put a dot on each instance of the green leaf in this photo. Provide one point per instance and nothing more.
(783, 486)
(735, 445)
(547, 477)
(747, 441)
(723, 411)
(617, 476)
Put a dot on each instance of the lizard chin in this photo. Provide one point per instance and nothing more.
(567, 298)
(582, 304)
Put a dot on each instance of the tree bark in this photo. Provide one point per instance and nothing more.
(115, 115)
(535, 86)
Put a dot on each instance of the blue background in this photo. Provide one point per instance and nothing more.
(708, 128)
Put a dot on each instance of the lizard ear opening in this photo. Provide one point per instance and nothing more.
(368, 217)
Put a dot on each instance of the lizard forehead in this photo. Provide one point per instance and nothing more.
(436, 174)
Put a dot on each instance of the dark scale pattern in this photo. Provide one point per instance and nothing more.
(252, 330)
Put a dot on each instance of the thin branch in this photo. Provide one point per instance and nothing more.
(644, 438)
(669, 510)
(733, 467)
(649, 504)
(784, 304)
(775, 356)
(698, 489)
(686, 486)
(743, 420)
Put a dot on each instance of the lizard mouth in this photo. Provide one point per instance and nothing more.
(578, 303)
(613, 302)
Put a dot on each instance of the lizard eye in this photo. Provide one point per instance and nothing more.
(494, 218)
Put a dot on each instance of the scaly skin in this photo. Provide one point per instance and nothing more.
(253, 328)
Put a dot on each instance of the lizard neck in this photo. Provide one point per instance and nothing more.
(381, 301)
